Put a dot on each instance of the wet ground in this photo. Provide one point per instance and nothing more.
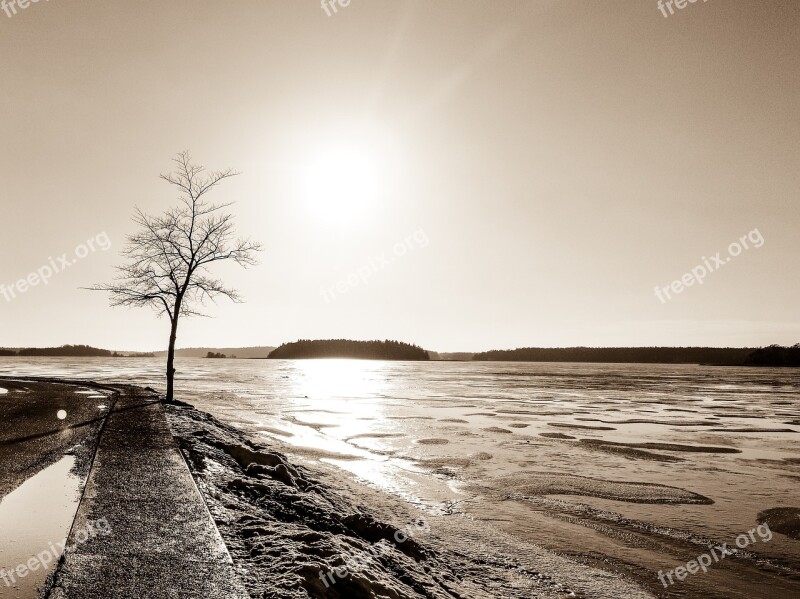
(142, 528)
(98, 500)
(47, 442)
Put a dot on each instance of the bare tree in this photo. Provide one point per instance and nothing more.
(167, 259)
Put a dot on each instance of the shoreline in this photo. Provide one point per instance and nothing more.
(131, 479)
(267, 508)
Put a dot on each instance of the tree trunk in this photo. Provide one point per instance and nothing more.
(171, 360)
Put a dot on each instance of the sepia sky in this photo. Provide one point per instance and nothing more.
(464, 175)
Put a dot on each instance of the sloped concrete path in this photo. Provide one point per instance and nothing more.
(162, 542)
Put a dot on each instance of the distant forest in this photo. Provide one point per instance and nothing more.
(775, 355)
(344, 348)
(72, 351)
(719, 356)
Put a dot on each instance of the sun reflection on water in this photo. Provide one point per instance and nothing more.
(333, 400)
(338, 400)
(326, 380)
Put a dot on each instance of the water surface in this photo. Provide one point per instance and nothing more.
(35, 519)
(456, 435)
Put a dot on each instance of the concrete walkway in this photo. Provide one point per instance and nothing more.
(150, 534)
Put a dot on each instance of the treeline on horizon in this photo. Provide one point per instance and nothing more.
(774, 355)
(70, 351)
(345, 348)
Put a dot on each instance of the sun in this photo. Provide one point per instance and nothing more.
(341, 184)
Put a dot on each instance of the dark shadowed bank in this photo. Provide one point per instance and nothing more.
(294, 532)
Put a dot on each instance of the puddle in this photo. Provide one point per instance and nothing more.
(90, 394)
(35, 519)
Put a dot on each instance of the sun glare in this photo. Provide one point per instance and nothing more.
(341, 185)
(332, 379)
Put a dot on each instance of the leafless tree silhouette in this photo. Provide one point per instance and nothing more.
(167, 259)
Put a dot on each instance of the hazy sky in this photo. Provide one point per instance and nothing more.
(548, 162)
